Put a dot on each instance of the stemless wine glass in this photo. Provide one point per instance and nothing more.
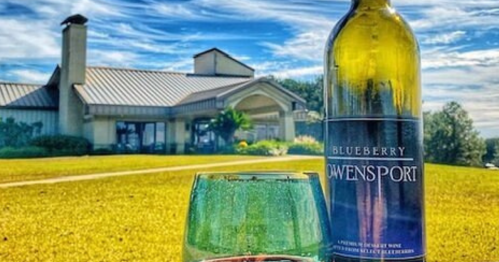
(254, 216)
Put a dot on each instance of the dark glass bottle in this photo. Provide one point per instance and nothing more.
(374, 137)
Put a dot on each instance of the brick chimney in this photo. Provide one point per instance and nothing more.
(73, 67)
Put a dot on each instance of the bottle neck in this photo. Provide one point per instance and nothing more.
(371, 3)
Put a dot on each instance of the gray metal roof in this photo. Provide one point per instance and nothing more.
(207, 94)
(229, 90)
(15, 95)
(133, 87)
(265, 80)
(116, 87)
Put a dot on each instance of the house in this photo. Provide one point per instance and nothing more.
(134, 110)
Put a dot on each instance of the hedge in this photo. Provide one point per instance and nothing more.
(61, 145)
(23, 152)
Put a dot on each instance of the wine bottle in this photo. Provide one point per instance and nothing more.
(373, 137)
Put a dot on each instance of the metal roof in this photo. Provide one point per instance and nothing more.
(207, 94)
(134, 87)
(14, 95)
(265, 80)
(231, 89)
(117, 87)
(204, 99)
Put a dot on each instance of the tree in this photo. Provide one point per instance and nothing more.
(495, 160)
(450, 137)
(492, 155)
(228, 122)
(429, 129)
(17, 134)
(496, 155)
(312, 91)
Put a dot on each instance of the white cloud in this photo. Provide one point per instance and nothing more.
(309, 24)
(30, 76)
(307, 45)
(184, 65)
(439, 59)
(300, 12)
(95, 8)
(113, 58)
(447, 38)
(28, 37)
(179, 11)
(476, 88)
(20, 40)
(297, 73)
(456, 16)
(97, 34)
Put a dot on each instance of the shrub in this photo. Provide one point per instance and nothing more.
(243, 144)
(17, 134)
(61, 145)
(315, 149)
(265, 148)
(228, 150)
(227, 122)
(306, 145)
(305, 140)
(23, 152)
(103, 152)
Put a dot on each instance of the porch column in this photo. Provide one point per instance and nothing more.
(179, 136)
(287, 126)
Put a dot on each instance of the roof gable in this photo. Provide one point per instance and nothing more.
(207, 94)
(55, 78)
(263, 80)
(227, 91)
(29, 96)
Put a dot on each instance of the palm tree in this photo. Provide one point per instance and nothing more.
(228, 122)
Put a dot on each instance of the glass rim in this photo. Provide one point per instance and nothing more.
(257, 175)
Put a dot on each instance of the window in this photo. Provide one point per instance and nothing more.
(141, 137)
(267, 132)
(160, 143)
(203, 139)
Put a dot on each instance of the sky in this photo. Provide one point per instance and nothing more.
(459, 40)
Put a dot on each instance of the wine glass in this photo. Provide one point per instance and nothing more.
(255, 216)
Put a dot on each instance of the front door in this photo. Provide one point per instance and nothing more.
(203, 138)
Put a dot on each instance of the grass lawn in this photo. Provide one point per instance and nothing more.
(141, 218)
(21, 170)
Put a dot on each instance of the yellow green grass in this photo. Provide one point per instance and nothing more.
(33, 169)
(141, 218)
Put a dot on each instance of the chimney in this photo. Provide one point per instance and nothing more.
(73, 67)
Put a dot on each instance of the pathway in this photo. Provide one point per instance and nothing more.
(152, 171)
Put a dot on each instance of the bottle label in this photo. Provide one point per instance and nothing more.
(375, 172)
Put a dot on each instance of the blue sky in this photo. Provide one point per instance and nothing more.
(459, 40)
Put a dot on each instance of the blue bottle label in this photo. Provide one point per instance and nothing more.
(375, 172)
